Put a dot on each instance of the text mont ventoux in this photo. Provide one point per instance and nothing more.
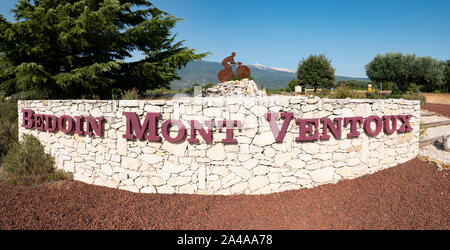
(308, 128)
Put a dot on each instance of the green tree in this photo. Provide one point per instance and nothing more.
(292, 84)
(446, 79)
(316, 71)
(70, 49)
(406, 69)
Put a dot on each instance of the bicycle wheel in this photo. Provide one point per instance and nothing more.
(243, 71)
(225, 75)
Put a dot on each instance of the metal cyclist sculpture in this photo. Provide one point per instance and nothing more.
(227, 73)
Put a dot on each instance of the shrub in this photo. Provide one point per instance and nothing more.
(375, 95)
(131, 94)
(8, 125)
(344, 91)
(412, 96)
(27, 164)
(396, 91)
(323, 93)
(209, 85)
(157, 93)
(238, 78)
(413, 88)
(275, 91)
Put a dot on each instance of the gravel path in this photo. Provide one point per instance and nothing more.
(413, 195)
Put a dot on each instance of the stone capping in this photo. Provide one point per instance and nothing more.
(254, 165)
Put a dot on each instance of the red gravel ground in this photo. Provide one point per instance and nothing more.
(442, 109)
(413, 195)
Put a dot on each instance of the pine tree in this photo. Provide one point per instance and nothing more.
(73, 49)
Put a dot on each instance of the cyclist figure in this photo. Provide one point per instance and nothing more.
(228, 61)
(227, 73)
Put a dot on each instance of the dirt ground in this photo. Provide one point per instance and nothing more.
(442, 109)
(413, 195)
(437, 98)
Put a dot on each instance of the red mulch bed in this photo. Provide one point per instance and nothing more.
(413, 195)
(442, 109)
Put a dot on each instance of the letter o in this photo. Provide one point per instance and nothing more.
(69, 124)
(166, 133)
(378, 124)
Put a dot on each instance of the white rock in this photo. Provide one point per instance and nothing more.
(165, 189)
(269, 151)
(130, 163)
(258, 182)
(345, 172)
(148, 190)
(260, 170)
(187, 189)
(310, 148)
(156, 181)
(264, 139)
(322, 175)
(259, 111)
(178, 180)
(446, 143)
(173, 168)
(250, 163)
(296, 163)
(107, 170)
(241, 171)
(216, 152)
(238, 188)
(177, 149)
(151, 158)
(282, 158)
(141, 182)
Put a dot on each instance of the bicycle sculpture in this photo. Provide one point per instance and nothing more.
(227, 73)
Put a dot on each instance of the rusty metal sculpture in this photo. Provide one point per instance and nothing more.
(227, 73)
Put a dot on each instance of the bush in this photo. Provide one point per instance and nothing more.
(8, 125)
(344, 91)
(413, 88)
(27, 164)
(375, 95)
(132, 94)
(323, 93)
(238, 78)
(412, 96)
(396, 91)
(157, 93)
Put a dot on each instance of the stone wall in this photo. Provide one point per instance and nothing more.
(256, 164)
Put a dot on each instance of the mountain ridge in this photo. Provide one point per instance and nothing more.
(202, 72)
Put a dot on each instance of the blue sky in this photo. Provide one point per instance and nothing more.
(279, 33)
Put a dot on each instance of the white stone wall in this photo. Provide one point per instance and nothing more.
(255, 165)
